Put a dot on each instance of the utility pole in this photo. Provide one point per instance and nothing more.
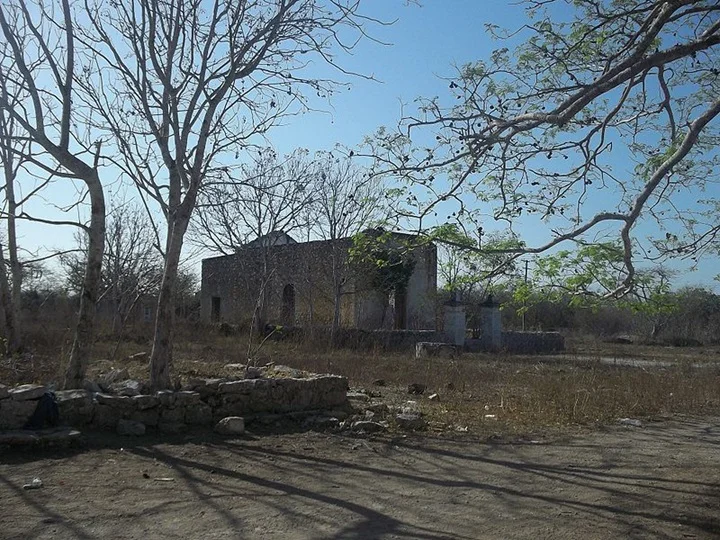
(524, 300)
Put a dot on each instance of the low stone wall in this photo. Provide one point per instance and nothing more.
(521, 343)
(533, 342)
(356, 338)
(201, 403)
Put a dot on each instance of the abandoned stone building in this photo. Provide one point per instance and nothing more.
(311, 283)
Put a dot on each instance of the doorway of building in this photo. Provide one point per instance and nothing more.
(400, 322)
(215, 309)
(288, 305)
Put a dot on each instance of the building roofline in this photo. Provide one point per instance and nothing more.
(299, 245)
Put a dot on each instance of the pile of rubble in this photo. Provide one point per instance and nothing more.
(368, 413)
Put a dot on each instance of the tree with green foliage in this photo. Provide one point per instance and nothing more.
(464, 269)
(383, 261)
(543, 133)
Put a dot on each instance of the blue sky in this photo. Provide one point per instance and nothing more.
(425, 44)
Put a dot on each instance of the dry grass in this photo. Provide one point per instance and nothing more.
(486, 393)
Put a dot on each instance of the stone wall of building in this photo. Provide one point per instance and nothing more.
(202, 403)
(305, 272)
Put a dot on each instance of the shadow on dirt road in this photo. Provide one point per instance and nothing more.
(658, 481)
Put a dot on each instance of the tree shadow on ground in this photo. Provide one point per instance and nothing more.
(353, 488)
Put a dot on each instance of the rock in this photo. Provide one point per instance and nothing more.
(630, 422)
(287, 371)
(15, 414)
(197, 384)
(149, 417)
(26, 392)
(198, 415)
(186, 397)
(128, 388)
(368, 426)
(117, 402)
(172, 415)
(231, 425)
(106, 416)
(252, 372)
(143, 402)
(205, 387)
(4, 392)
(433, 397)
(54, 436)
(214, 384)
(194, 383)
(236, 387)
(106, 380)
(416, 388)
(36, 483)
(379, 382)
(410, 421)
(380, 409)
(18, 438)
(234, 366)
(166, 398)
(92, 386)
(77, 397)
(59, 435)
(75, 406)
(130, 427)
(358, 396)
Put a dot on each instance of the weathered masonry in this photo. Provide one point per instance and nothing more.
(304, 283)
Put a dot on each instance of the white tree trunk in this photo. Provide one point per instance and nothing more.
(84, 332)
(11, 340)
(12, 300)
(161, 357)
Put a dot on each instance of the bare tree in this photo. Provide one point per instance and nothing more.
(350, 200)
(186, 85)
(269, 196)
(539, 132)
(41, 62)
(132, 267)
(12, 148)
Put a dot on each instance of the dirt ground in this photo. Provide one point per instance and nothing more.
(658, 481)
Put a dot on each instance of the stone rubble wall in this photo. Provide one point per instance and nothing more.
(521, 343)
(532, 342)
(389, 340)
(202, 402)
